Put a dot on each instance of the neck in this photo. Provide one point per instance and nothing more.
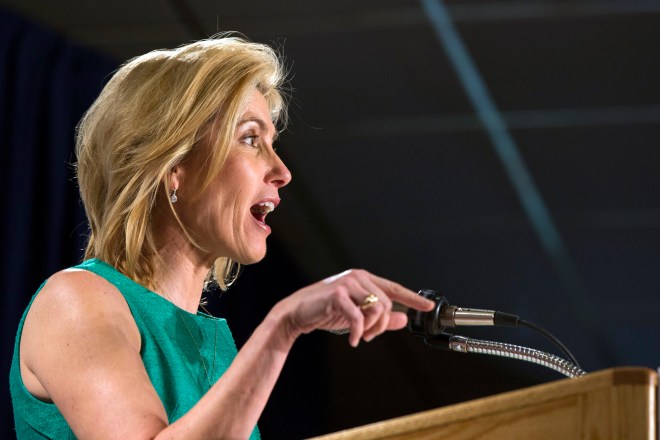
(181, 273)
(182, 282)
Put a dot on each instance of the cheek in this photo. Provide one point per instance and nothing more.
(227, 212)
(226, 204)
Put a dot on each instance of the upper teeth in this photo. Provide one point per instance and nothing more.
(267, 207)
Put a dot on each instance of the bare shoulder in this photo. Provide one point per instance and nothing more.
(79, 299)
(75, 307)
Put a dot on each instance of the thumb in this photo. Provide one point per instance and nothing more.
(398, 320)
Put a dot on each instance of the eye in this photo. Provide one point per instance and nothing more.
(250, 140)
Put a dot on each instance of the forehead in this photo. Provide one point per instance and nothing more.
(257, 110)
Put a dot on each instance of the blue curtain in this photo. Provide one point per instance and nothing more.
(46, 83)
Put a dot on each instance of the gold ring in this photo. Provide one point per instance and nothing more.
(369, 301)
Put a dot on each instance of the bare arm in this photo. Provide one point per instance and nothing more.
(242, 392)
(82, 351)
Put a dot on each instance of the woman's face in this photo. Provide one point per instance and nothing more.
(228, 218)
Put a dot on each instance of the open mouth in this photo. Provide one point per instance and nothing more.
(260, 210)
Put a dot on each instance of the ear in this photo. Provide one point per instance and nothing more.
(174, 177)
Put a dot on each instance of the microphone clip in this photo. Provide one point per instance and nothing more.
(428, 324)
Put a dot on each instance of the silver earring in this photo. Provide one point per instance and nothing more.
(173, 197)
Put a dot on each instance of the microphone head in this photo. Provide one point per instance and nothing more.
(427, 324)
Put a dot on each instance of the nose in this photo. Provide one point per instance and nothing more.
(279, 175)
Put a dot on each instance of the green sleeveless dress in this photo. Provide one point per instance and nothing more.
(173, 344)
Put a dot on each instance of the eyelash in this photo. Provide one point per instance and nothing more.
(254, 140)
(254, 144)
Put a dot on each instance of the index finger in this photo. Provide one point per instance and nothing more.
(403, 295)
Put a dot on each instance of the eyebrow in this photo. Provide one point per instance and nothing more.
(262, 125)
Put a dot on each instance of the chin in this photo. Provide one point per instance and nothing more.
(251, 258)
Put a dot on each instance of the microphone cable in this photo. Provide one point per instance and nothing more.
(552, 338)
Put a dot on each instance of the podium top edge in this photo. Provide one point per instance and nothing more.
(633, 376)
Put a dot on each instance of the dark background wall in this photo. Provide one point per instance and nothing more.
(552, 213)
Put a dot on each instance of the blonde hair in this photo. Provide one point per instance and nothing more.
(148, 118)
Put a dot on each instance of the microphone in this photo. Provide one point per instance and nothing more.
(434, 322)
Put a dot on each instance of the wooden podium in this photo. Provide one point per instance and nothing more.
(613, 404)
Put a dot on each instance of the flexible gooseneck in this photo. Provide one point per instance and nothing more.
(462, 344)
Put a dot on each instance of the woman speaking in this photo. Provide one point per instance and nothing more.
(177, 174)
